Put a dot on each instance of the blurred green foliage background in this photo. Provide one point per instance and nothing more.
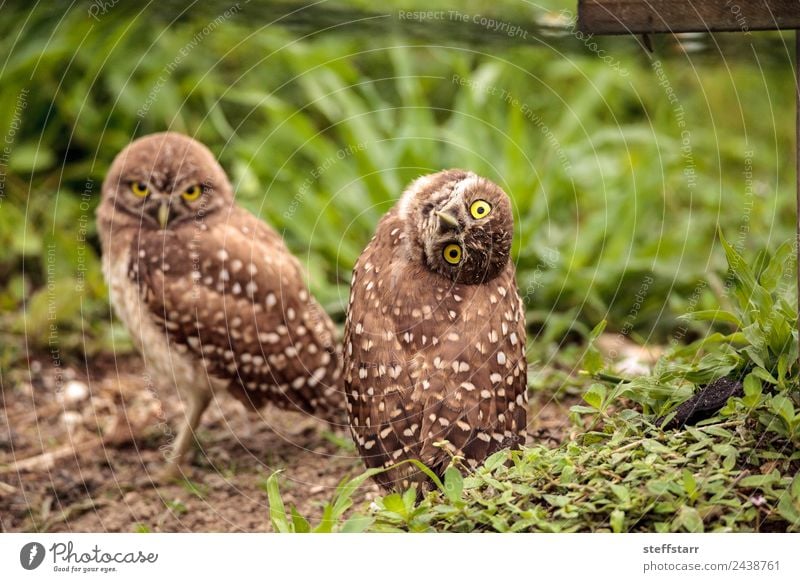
(620, 169)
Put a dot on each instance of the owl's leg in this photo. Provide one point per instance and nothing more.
(196, 403)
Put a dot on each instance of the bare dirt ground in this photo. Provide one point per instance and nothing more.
(81, 458)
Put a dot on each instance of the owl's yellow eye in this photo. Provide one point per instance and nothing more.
(452, 254)
(480, 209)
(140, 189)
(192, 192)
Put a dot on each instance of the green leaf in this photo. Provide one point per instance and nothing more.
(494, 461)
(738, 266)
(788, 509)
(409, 498)
(346, 489)
(752, 391)
(764, 375)
(756, 356)
(453, 484)
(783, 407)
(621, 492)
(595, 396)
(689, 484)
(728, 453)
(758, 481)
(752, 385)
(689, 519)
(713, 315)
(592, 359)
(326, 523)
(299, 522)
(583, 409)
(777, 266)
(394, 503)
(277, 511)
(357, 524)
(617, 520)
(598, 330)
(654, 446)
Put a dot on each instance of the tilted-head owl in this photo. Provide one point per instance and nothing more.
(210, 294)
(435, 335)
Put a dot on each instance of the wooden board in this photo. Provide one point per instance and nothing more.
(642, 16)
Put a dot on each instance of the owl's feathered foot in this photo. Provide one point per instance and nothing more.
(169, 473)
(196, 404)
(154, 475)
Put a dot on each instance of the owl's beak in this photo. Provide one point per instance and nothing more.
(447, 221)
(163, 213)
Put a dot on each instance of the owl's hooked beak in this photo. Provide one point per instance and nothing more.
(447, 221)
(163, 213)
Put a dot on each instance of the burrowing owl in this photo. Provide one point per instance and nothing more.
(211, 296)
(435, 333)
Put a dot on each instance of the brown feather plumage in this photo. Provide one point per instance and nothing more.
(212, 297)
(431, 357)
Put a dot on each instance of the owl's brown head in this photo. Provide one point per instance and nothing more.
(459, 224)
(164, 179)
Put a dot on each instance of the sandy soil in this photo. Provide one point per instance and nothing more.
(81, 458)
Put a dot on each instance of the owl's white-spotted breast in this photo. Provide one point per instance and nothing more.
(434, 343)
(210, 294)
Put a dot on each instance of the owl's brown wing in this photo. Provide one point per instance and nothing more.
(229, 291)
(384, 419)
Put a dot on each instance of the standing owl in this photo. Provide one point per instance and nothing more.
(211, 296)
(435, 334)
